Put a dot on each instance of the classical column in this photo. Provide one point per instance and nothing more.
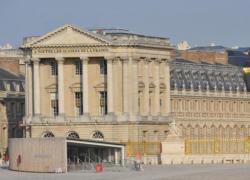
(146, 90)
(125, 86)
(110, 85)
(36, 79)
(27, 61)
(109, 155)
(116, 156)
(167, 82)
(157, 87)
(135, 86)
(85, 87)
(60, 79)
(30, 89)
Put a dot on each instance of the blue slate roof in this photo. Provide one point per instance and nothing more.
(185, 74)
(7, 77)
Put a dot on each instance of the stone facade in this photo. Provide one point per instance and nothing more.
(11, 59)
(99, 81)
(116, 86)
(11, 106)
(211, 106)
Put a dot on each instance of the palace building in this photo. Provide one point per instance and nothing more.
(109, 85)
(212, 107)
(116, 86)
(11, 106)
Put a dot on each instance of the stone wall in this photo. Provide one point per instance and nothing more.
(10, 64)
(205, 56)
(38, 155)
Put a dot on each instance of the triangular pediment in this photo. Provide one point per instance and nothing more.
(100, 86)
(51, 88)
(68, 35)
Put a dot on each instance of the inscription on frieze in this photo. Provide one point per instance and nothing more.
(68, 50)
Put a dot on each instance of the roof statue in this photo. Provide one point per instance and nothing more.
(174, 131)
(183, 45)
(6, 46)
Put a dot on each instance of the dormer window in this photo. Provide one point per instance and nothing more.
(17, 87)
(7, 86)
(21, 86)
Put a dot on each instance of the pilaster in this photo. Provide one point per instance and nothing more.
(146, 90)
(157, 87)
(125, 86)
(110, 93)
(167, 82)
(135, 85)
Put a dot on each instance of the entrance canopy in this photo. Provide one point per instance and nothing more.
(108, 149)
(94, 143)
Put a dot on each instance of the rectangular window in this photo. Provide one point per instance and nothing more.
(53, 68)
(22, 109)
(103, 67)
(149, 102)
(144, 135)
(78, 103)
(13, 110)
(18, 107)
(103, 102)
(78, 67)
(54, 104)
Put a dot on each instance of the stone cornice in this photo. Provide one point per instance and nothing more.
(102, 123)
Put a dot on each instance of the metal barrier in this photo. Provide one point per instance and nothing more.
(217, 146)
(143, 148)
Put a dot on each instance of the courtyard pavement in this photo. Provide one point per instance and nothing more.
(160, 172)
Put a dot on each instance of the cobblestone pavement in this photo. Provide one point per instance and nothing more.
(161, 172)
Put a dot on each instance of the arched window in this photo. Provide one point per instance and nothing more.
(98, 135)
(48, 134)
(73, 135)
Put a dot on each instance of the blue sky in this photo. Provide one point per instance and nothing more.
(200, 22)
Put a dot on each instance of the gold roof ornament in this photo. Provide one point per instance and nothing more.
(246, 70)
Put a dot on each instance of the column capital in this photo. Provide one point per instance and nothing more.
(166, 61)
(146, 60)
(35, 60)
(27, 59)
(157, 61)
(116, 60)
(135, 60)
(84, 58)
(109, 58)
(124, 58)
(59, 59)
